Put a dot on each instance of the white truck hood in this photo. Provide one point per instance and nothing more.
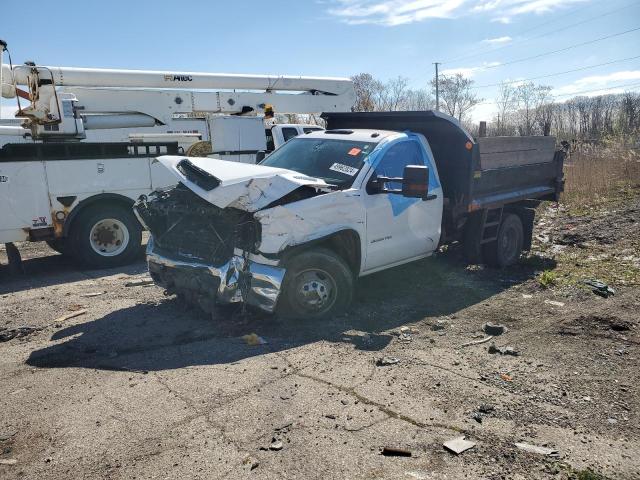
(242, 185)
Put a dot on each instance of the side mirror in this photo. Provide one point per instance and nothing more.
(415, 181)
(260, 156)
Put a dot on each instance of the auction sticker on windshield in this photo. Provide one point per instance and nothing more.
(346, 169)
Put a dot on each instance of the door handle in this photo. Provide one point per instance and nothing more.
(432, 196)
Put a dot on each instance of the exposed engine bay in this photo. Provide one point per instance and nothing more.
(191, 229)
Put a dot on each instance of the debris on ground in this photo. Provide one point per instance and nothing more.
(92, 294)
(410, 330)
(458, 445)
(23, 331)
(494, 329)
(69, 316)
(386, 361)
(253, 339)
(600, 288)
(139, 283)
(251, 462)
(527, 447)
(476, 342)
(486, 408)
(405, 337)
(276, 445)
(554, 303)
(8, 461)
(438, 325)
(506, 377)
(477, 416)
(395, 452)
(503, 350)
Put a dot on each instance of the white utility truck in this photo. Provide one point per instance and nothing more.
(373, 191)
(77, 195)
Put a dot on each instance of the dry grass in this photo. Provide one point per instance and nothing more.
(596, 174)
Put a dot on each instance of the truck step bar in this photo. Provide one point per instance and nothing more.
(491, 219)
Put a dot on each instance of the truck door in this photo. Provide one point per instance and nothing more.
(400, 228)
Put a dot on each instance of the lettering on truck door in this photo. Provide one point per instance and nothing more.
(400, 228)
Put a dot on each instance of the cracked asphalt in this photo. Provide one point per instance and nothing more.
(140, 386)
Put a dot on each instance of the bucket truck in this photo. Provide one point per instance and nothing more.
(77, 196)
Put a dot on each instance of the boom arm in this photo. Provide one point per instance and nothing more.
(77, 98)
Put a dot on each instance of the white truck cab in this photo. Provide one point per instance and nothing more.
(341, 186)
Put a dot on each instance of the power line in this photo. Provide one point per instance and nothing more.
(575, 94)
(589, 42)
(564, 27)
(557, 73)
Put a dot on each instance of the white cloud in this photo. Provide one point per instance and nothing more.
(599, 84)
(497, 40)
(399, 12)
(469, 71)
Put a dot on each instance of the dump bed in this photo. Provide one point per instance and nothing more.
(475, 174)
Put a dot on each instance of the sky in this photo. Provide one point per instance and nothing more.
(490, 41)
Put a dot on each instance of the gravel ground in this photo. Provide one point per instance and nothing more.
(140, 386)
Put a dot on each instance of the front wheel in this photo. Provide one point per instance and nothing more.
(317, 284)
(106, 236)
(506, 249)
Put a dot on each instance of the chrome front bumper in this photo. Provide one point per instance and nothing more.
(238, 280)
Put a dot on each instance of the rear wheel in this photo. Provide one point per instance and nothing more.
(317, 284)
(506, 249)
(106, 236)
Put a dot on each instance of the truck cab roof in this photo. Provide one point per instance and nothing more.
(356, 135)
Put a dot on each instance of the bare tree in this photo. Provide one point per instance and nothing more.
(367, 92)
(506, 102)
(456, 95)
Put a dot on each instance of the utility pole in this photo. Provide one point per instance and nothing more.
(3, 47)
(437, 87)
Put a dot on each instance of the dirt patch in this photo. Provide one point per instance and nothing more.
(141, 385)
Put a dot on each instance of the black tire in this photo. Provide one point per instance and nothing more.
(81, 230)
(506, 249)
(327, 279)
(60, 245)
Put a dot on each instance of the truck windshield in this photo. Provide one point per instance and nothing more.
(335, 161)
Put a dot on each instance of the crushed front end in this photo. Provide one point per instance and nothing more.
(205, 253)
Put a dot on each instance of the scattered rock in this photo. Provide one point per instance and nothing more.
(486, 408)
(494, 329)
(439, 325)
(458, 445)
(535, 449)
(477, 416)
(8, 461)
(276, 446)
(395, 452)
(251, 462)
(405, 337)
(503, 350)
(386, 361)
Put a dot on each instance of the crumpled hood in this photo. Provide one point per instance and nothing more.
(241, 185)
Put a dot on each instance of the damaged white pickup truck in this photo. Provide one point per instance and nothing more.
(292, 234)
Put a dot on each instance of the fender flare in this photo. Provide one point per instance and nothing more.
(89, 201)
(351, 252)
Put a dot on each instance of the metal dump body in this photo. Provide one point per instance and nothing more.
(475, 173)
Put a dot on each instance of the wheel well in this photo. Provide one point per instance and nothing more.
(102, 199)
(345, 244)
